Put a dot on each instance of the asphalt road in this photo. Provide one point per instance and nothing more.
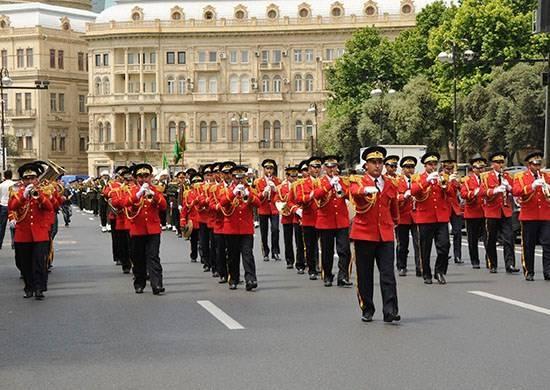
(93, 332)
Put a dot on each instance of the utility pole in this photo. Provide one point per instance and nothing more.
(547, 115)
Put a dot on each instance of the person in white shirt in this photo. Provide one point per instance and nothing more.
(4, 198)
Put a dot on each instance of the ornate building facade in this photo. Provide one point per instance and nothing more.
(44, 42)
(232, 80)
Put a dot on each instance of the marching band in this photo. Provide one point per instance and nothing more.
(320, 210)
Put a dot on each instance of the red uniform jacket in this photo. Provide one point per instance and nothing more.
(117, 197)
(267, 203)
(216, 209)
(33, 217)
(106, 193)
(456, 207)
(285, 194)
(238, 214)
(495, 205)
(473, 207)
(302, 192)
(376, 214)
(534, 204)
(144, 214)
(332, 210)
(406, 206)
(191, 203)
(432, 204)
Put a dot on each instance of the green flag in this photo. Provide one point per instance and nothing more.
(164, 161)
(183, 145)
(177, 152)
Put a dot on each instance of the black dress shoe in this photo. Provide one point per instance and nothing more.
(440, 278)
(546, 276)
(276, 257)
(418, 273)
(476, 266)
(206, 269)
(215, 275)
(126, 270)
(266, 258)
(366, 317)
(28, 294)
(428, 281)
(301, 272)
(512, 270)
(232, 286)
(222, 280)
(493, 270)
(458, 260)
(38, 295)
(389, 317)
(193, 260)
(139, 290)
(328, 283)
(158, 291)
(118, 262)
(289, 266)
(344, 283)
(250, 285)
(402, 272)
(312, 277)
(530, 278)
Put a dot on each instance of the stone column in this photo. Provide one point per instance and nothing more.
(142, 129)
(127, 123)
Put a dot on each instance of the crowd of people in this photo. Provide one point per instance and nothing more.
(377, 212)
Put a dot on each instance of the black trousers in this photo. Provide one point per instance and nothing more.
(300, 249)
(427, 234)
(288, 234)
(366, 253)
(102, 203)
(402, 234)
(457, 221)
(494, 226)
(3, 223)
(311, 248)
(163, 215)
(222, 261)
(204, 237)
(475, 228)
(67, 212)
(533, 232)
(265, 220)
(121, 245)
(212, 254)
(194, 241)
(146, 259)
(241, 245)
(175, 219)
(328, 238)
(31, 256)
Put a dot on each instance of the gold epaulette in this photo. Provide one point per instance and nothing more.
(394, 180)
(355, 178)
(484, 175)
(415, 177)
(519, 175)
(464, 179)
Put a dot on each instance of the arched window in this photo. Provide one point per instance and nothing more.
(97, 86)
(265, 84)
(181, 130)
(245, 84)
(181, 85)
(309, 83)
(266, 135)
(309, 128)
(277, 84)
(234, 131)
(203, 131)
(245, 131)
(172, 131)
(171, 85)
(100, 135)
(213, 131)
(108, 135)
(106, 86)
(298, 83)
(299, 130)
(233, 83)
(213, 85)
(277, 134)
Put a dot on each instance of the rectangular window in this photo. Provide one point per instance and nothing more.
(106, 59)
(82, 144)
(20, 58)
(298, 55)
(81, 103)
(181, 86)
(28, 142)
(30, 58)
(329, 54)
(153, 58)
(181, 57)
(81, 62)
(213, 85)
(61, 102)
(53, 102)
(4, 58)
(244, 56)
(60, 59)
(54, 144)
(212, 56)
(265, 56)
(202, 85)
(20, 143)
(86, 62)
(170, 58)
(276, 56)
(202, 56)
(61, 144)
(5, 99)
(130, 58)
(18, 103)
(98, 60)
(233, 54)
(28, 101)
(309, 56)
(52, 58)
(171, 87)
(153, 86)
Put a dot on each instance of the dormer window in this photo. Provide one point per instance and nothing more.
(304, 10)
(407, 7)
(137, 14)
(4, 21)
(337, 10)
(241, 12)
(272, 12)
(371, 8)
(209, 13)
(176, 13)
(65, 23)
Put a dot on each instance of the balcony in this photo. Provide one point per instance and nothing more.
(206, 97)
(134, 68)
(120, 68)
(286, 145)
(149, 68)
(271, 66)
(20, 114)
(25, 154)
(270, 97)
(133, 146)
(207, 66)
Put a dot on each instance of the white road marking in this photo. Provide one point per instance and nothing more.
(220, 315)
(509, 301)
(91, 219)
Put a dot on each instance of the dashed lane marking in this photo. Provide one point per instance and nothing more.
(513, 302)
(220, 315)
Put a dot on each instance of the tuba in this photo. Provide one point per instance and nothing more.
(48, 180)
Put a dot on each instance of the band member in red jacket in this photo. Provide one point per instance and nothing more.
(31, 209)
(473, 207)
(390, 164)
(268, 213)
(304, 189)
(238, 201)
(406, 224)
(448, 171)
(372, 231)
(332, 223)
(533, 188)
(144, 202)
(432, 217)
(286, 207)
(496, 188)
(192, 204)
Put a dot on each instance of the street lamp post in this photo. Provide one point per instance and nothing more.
(451, 58)
(316, 109)
(378, 92)
(241, 118)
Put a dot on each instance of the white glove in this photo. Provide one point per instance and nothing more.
(143, 189)
(499, 190)
(28, 190)
(236, 190)
(180, 207)
(246, 193)
(454, 177)
(370, 190)
(241, 187)
(433, 177)
(299, 212)
(537, 183)
(506, 184)
(476, 191)
(407, 194)
(334, 180)
(272, 185)
(267, 191)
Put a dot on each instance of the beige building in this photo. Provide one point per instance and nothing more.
(80, 4)
(43, 42)
(162, 71)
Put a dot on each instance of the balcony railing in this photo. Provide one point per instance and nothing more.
(271, 66)
(25, 154)
(270, 97)
(206, 97)
(21, 113)
(207, 66)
